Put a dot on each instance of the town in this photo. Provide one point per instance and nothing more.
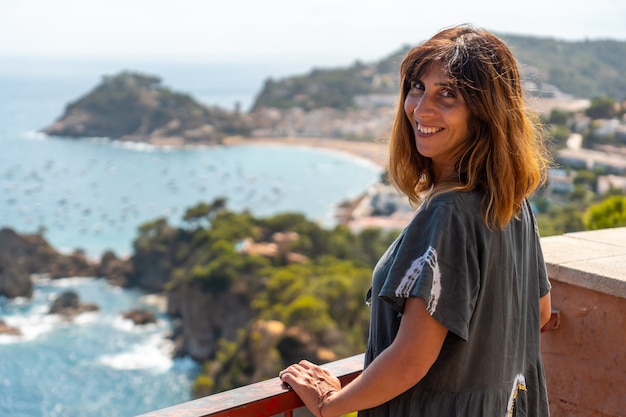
(587, 138)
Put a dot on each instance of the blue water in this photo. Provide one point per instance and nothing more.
(98, 365)
(93, 195)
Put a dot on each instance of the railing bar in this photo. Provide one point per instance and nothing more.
(265, 398)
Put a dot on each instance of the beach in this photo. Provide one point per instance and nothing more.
(374, 151)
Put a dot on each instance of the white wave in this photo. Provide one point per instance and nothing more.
(35, 135)
(135, 146)
(6, 339)
(38, 322)
(87, 318)
(70, 281)
(31, 326)
(155, 355)
(155, 300)
(99, 139)
(20, 301)
(40, 279)
(127, 325)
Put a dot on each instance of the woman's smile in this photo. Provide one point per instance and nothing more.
(428, 130)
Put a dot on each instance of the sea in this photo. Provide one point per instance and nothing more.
(93, 194)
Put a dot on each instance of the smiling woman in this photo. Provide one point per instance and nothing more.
(463, 145)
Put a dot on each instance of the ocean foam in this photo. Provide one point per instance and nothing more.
(70, 281)
(127, 325)
(32, 326)
(155, 355)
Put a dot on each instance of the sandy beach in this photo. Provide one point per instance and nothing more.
(375, 152)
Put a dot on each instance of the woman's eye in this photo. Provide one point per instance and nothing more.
(417, 86)
(447, 93)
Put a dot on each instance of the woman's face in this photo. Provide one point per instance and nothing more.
(440, 119)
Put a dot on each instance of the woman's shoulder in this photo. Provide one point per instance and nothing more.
(449, 208)
(461, 201)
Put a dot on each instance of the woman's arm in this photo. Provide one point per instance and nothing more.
(402, 365)
(545, 309)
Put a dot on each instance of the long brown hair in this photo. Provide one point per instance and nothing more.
(505, 155)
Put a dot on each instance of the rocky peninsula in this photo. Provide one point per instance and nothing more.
(137, 107)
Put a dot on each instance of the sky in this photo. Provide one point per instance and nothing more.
(322, 32)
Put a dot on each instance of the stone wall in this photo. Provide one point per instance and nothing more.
(585, 356)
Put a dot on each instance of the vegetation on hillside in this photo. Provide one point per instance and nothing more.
(583, 69)
(335, 88)
(314, 286)
(607, 214)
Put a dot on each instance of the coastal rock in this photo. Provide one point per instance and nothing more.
(148, 271)
(9, 330)
(205, 318)
(74, 265)
(24, 255)
(265, 348)
(115, 270)
(292, 345)
(140, 317)
(68, 305)
(15, 279)
(136, 107)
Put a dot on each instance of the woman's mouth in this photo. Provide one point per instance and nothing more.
(428, 130)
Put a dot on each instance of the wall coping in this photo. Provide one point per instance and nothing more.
(595, 259)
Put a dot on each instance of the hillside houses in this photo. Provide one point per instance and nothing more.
(371, 117)
(610, 160)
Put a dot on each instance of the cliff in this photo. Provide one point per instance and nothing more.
(250, 295)
(24, 255)
(136, 107)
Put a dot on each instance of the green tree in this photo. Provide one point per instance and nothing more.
(202, 214)
(559, 135)
(329, 290)
(602, 108)
(607, 214)
(560, 219)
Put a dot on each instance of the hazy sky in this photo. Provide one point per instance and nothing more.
(317, 31)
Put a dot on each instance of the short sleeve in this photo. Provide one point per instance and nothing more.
(436, 261)
(544, 282)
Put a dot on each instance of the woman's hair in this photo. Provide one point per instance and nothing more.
(505, 155)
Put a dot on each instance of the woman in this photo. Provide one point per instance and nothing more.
(459, 298)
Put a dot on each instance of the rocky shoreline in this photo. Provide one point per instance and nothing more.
(25, 256)
(22, 256)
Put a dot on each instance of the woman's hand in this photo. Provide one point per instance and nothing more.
(311, 382)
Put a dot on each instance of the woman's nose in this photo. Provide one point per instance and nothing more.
(423, 105)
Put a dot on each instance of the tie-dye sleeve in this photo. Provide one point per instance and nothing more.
(437, 262)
